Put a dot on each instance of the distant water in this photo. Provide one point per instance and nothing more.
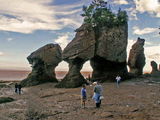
(11, 75)
(61, 74)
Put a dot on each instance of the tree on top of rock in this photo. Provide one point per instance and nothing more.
(98, 14)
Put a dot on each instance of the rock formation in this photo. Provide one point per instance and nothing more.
(110, 55)
(79, 50)
(154, 67)
(43, 61)
(154, 72)
(136, 59)
(102, 39)
(107, 54)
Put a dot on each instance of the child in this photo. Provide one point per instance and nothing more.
(83, 95)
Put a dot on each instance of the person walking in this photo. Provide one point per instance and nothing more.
(97, 97)
(118, 80)
(19, 89)
(16, 88)
(83, 96)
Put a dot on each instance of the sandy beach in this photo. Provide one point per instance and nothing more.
(138, 99)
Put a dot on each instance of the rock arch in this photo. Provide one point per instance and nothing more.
(77, 52)
(107, 54)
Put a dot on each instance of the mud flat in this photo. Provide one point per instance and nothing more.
(138, 99)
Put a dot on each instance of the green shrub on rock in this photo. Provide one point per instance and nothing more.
(98, 14)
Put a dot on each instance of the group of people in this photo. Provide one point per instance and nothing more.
(97, 96)
(18, 88)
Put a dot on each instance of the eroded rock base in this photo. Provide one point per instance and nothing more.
(104, 70)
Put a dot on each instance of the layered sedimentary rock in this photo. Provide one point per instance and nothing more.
(110, 55)
(43, 61)
(154, 72)
(79, 50)
(136, 59)
(107, 54)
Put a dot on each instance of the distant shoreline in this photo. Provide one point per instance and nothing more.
(18, 75)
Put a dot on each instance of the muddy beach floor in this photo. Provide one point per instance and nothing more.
(134, 100)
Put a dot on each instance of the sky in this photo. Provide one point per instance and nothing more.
(26, 25)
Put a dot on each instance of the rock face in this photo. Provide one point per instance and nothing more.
(110, 55)
(79, 50)
(43, 61)
(154, 66)
(107, 54)
(136, 59)
(154, 72)
(82, 46)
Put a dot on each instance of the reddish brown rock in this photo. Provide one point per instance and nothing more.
(154, 72)
(154, 67)
(136, 59)
(110, 57)
(107, 54)
(79, 50)
(43, 61)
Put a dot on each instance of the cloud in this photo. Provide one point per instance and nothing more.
(152, 50)
(154, 56)
(26, 16)
(63, 40)
(1, 53)
(132, 13)
(120, 2)
(152, 53)
(14, 65)
(150, 6)
(9, 39)
(138, 31)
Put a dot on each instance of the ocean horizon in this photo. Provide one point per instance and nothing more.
(18, 75)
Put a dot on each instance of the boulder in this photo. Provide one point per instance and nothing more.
(136, 60)
(79, 50)
(43, 61)
(154, 72)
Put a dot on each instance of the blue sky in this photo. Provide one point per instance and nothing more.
(26, 25)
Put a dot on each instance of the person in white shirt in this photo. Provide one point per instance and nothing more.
(118, 80)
